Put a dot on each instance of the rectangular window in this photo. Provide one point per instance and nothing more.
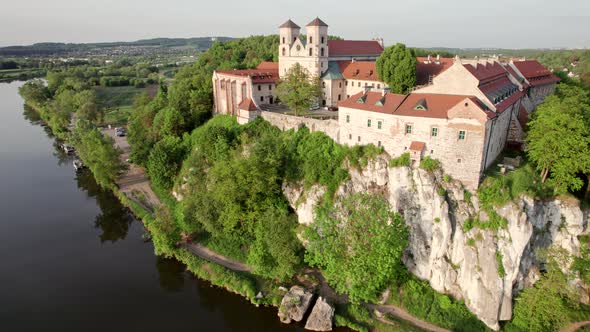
(259, 87)
(408, 129)
(359, 84)
(339, 97)
(346, 83)
(347, 118)
(461, 134)
(379, 144)
(369, 123)
(261, 98)
(379, 124)
(350, 136)
(322, 39)
(269, 87)
(340, 84)
(378, 86)
(434, 132)
(359, 138)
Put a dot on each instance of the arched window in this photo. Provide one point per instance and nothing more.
(310, 51)
(323, 84)
(322, 51)
(284, 51)
(322, 39)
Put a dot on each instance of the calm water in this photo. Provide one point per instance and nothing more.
(72, 258)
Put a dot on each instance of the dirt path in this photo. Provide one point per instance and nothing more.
(575, 326)
(134, 182)
(406, 316)
(208, 254)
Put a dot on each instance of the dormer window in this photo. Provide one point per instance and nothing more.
(421, 105)
(381, 101)
(362, 99)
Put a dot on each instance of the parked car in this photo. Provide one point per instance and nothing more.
(68, 148)
(120, 131)
(333, 108)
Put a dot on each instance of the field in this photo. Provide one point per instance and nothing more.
(118, 101)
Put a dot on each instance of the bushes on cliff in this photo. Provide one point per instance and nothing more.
(165, 160)
(358, 245)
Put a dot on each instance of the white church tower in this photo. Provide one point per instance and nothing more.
(311, 54)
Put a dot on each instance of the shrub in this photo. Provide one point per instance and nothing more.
(429, 164)
(501, 270)
(403, 160)
(441, 191)
(471, 242)
(447, 178)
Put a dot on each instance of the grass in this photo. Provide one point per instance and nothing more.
(118, 96)
(118, 116)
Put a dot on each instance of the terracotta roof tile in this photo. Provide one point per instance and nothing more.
(374, 102)
(354, 47)
(248, 105)
(417, 146)
(359, 70)
(438, 105)
(486, 72)
(535, 72)
(426, 69)
(268, 73)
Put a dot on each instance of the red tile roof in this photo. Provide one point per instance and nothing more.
(354, 47)
(426, 69)
(359, 70)
(373, 100)
(417, 146)
(502, 106)
(266, 72)
(437, 105)
(248, 105)
(535, 72)
(486, 72)
(268, 65)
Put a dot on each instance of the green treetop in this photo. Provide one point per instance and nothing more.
(299, 90)
(397, 67)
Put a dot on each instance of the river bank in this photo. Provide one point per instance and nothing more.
(74, 258)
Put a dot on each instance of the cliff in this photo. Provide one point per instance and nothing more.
(486, 267)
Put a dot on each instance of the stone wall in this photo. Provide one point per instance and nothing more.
(286, 122)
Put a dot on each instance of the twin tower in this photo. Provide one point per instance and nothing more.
(311, 53)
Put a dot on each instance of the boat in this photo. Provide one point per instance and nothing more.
(78, 164)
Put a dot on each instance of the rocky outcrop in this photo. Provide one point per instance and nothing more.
(321, 316)
(484, 267)
(295, 304)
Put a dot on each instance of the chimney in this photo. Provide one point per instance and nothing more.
(385, 91)
(438, 57)
(380, 41)
(353, 60)
(428, 59)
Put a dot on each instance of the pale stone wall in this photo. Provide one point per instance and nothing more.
(265, 94)
(538, 94)
(229, 91)
(461, 159)
(286, 122)
(498, 135)
(354, 86)
(245, 116)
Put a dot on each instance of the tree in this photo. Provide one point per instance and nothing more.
(275, 252)
(558, 139)
(98, 153)
(165, 160)
(358, 245)
(169, 122)
(551, 302)
(396, 66)
(298, 89)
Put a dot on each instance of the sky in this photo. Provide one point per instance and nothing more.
(422, 23)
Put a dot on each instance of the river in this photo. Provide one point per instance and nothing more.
(72, 258)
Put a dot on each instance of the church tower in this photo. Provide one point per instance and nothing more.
(317, 46)
(288, 36)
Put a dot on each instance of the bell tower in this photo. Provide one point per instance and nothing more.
(317, 46)
(288, 35)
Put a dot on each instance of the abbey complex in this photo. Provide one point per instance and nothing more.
(462, 112)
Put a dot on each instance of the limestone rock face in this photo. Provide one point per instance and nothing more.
(321, 316)
(457, 260)
(295, 304)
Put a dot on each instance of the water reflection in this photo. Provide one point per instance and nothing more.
(114, 219)
(172, 274)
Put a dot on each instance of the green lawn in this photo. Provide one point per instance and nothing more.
(117, 116)
(118, 101)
